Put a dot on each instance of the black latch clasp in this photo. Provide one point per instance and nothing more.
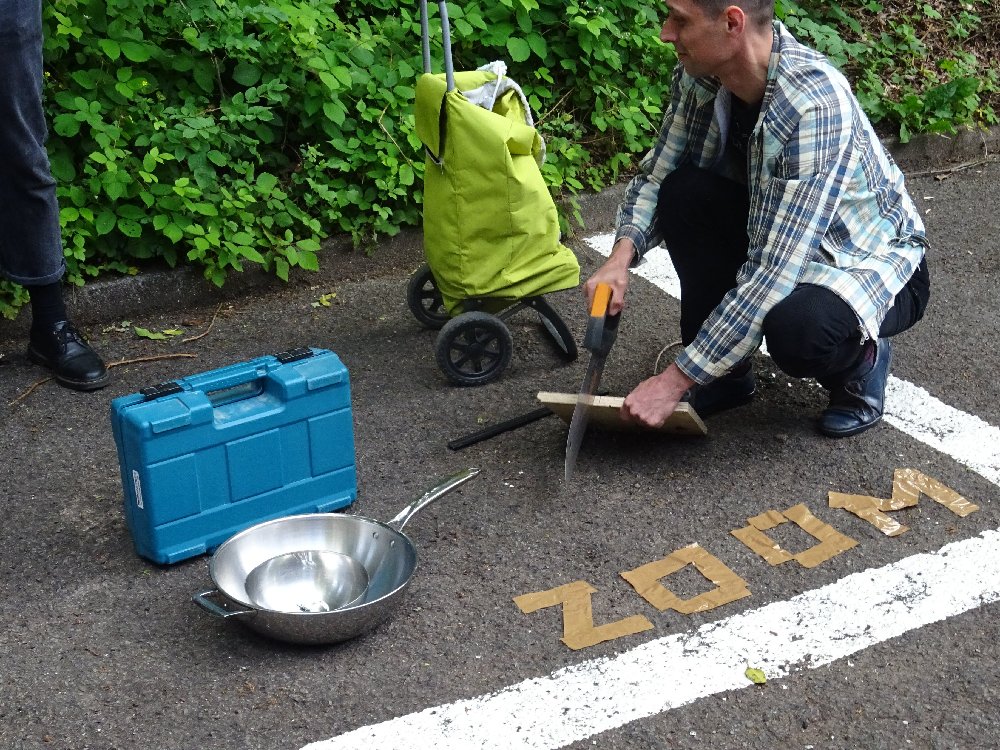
(162, 389)
(294, 355)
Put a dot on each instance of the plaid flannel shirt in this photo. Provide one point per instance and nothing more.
(828, 205)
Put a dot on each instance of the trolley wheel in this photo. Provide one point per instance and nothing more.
(562, 337)
(474, 348)
(425, 300)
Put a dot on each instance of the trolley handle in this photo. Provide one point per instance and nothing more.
(449, 67)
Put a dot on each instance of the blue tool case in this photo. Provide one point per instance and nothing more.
(206, 456)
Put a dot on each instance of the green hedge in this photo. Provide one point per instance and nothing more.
(222, 133)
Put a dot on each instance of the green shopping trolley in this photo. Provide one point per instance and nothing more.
(491, 231)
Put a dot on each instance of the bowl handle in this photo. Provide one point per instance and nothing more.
(430, 496)
(223, 610)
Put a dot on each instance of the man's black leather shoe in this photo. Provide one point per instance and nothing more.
(857, 399)
(724, 393)
(69, 357)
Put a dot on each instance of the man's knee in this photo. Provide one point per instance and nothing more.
(806, 331)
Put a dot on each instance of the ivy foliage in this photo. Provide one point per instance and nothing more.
(914, 66)
(229, 133)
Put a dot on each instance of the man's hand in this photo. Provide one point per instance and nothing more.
(614, 273)
(653, 401)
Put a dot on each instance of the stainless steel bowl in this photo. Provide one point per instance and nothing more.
(387, 556)
(307, 581)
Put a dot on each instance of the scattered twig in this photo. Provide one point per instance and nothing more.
(29, 391)
(205, 332)
(152, 358)
(542, 117)
(389, 136)
(34, 386)
(957, 168)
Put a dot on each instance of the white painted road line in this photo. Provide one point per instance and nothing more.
(964, 437)
(909, 408)
(811, 630)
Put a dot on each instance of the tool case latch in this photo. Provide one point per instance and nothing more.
(294, 355)
(162, 389)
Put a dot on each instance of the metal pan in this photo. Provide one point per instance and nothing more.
(387, 555)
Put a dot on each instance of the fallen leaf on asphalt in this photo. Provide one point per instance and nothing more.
(756, 676)
(156, 335)
(325, 300)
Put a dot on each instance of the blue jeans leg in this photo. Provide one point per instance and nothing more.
(30, 243)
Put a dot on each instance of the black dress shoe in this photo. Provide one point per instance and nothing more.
(69, 357)
(727, 392)
(857, 399)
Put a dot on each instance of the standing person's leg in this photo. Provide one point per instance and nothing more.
(814, 333)
(703, 220)
(30, 242)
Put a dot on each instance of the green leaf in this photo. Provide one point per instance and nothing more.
(519, 49)
(130, 228)
(250, 254)
(308, 261)
(538, 45)
(131, 211)
(343, 75)
(110, 48)
(335, 112)
(136, 51)
(147, 334)
(105, 222)
(266, 182)
(114, 184)
(406, 175)
(173, 232)
(83, 78)
(246, 74)
(66, 125)
(281, 269)
(204, 76)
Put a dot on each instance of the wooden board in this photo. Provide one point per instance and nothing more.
(605, 414)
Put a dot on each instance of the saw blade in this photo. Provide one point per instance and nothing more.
(581, 413)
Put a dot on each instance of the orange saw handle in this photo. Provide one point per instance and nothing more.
(602, 328)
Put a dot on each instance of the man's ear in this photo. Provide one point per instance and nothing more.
(736, 19)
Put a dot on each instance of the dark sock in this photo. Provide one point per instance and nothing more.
(47, 308)
(867, 359)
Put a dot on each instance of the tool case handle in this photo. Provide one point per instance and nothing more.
(243, 380)
(449, 66)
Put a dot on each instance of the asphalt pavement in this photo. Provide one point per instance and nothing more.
(102, 649)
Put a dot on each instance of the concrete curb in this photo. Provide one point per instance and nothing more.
(159, 290)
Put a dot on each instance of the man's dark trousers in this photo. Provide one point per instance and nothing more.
(812, 333)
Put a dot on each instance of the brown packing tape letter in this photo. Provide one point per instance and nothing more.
(579, 630)
(646, 581)
(907, 486)
(831, 542)
(752, 536)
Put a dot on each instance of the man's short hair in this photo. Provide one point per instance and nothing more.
(760, 12)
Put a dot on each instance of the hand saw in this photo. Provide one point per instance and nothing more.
(602, 329)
